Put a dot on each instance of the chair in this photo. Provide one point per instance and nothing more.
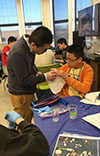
(44, 69)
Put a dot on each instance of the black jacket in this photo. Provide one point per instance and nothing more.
(22, 71)
(64, 51)
(30, 143)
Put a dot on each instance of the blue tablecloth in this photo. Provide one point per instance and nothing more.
(52, 129)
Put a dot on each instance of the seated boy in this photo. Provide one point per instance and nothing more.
(77, 74)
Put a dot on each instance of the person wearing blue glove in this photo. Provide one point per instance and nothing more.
(30, 142)
(12, 117)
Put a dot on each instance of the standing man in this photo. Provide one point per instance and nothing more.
(23, 76)
(5, 51)
(62, 44)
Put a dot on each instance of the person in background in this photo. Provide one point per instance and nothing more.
(5, 51)
(45, 59)
(30, 141)
(62, 44)
(77, 74)
(23, 75)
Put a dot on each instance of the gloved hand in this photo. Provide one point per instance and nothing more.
(43, 109)
(12, 116)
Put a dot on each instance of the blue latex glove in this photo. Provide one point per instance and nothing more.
(12, 125)
(43, 109)
(12, 116)
(33, 104)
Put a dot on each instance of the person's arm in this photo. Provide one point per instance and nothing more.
(6, 50)
(36, 141)
(59, 61)
(7, 53)
(30, 142)
(21, 70)
(19, 120)
(22, 73)
(84, 84)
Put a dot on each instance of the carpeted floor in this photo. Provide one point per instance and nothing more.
(5, 104)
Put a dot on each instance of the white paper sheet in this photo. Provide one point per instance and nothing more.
(56, 85)
(90, 98)
(93, 119)
(86, 101)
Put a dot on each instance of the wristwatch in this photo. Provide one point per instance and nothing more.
(67, 77)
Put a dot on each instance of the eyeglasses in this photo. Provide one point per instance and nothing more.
(71, 61)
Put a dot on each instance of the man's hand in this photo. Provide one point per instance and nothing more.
(51, 75)
(38, 73)
(54, 69)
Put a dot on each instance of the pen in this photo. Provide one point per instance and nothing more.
(99, 96)
(96, 98)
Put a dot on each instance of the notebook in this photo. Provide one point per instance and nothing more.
(91, 98)
(93, 119)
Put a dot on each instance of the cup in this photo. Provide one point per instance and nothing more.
(72, 111)
(55, 115)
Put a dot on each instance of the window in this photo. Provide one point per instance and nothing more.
(8, 19)
(32, 14)
(60, 9)
(60, 19)
(9, 31)
(8, 12)
(61, 30)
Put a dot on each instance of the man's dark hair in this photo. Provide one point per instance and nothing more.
(11, 39)
(41, 36)
(61, 41)
(77, 50)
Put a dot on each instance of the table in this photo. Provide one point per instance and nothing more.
(51, 129)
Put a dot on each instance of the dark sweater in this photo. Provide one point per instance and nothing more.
(64, 51)
(30, 143)
(22, 71)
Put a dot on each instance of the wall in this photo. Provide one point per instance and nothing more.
(95, 1)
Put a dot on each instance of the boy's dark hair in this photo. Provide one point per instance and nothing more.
(27, 35)
(11, 39)
(41, 36)
(61, 41)
(77, 50)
